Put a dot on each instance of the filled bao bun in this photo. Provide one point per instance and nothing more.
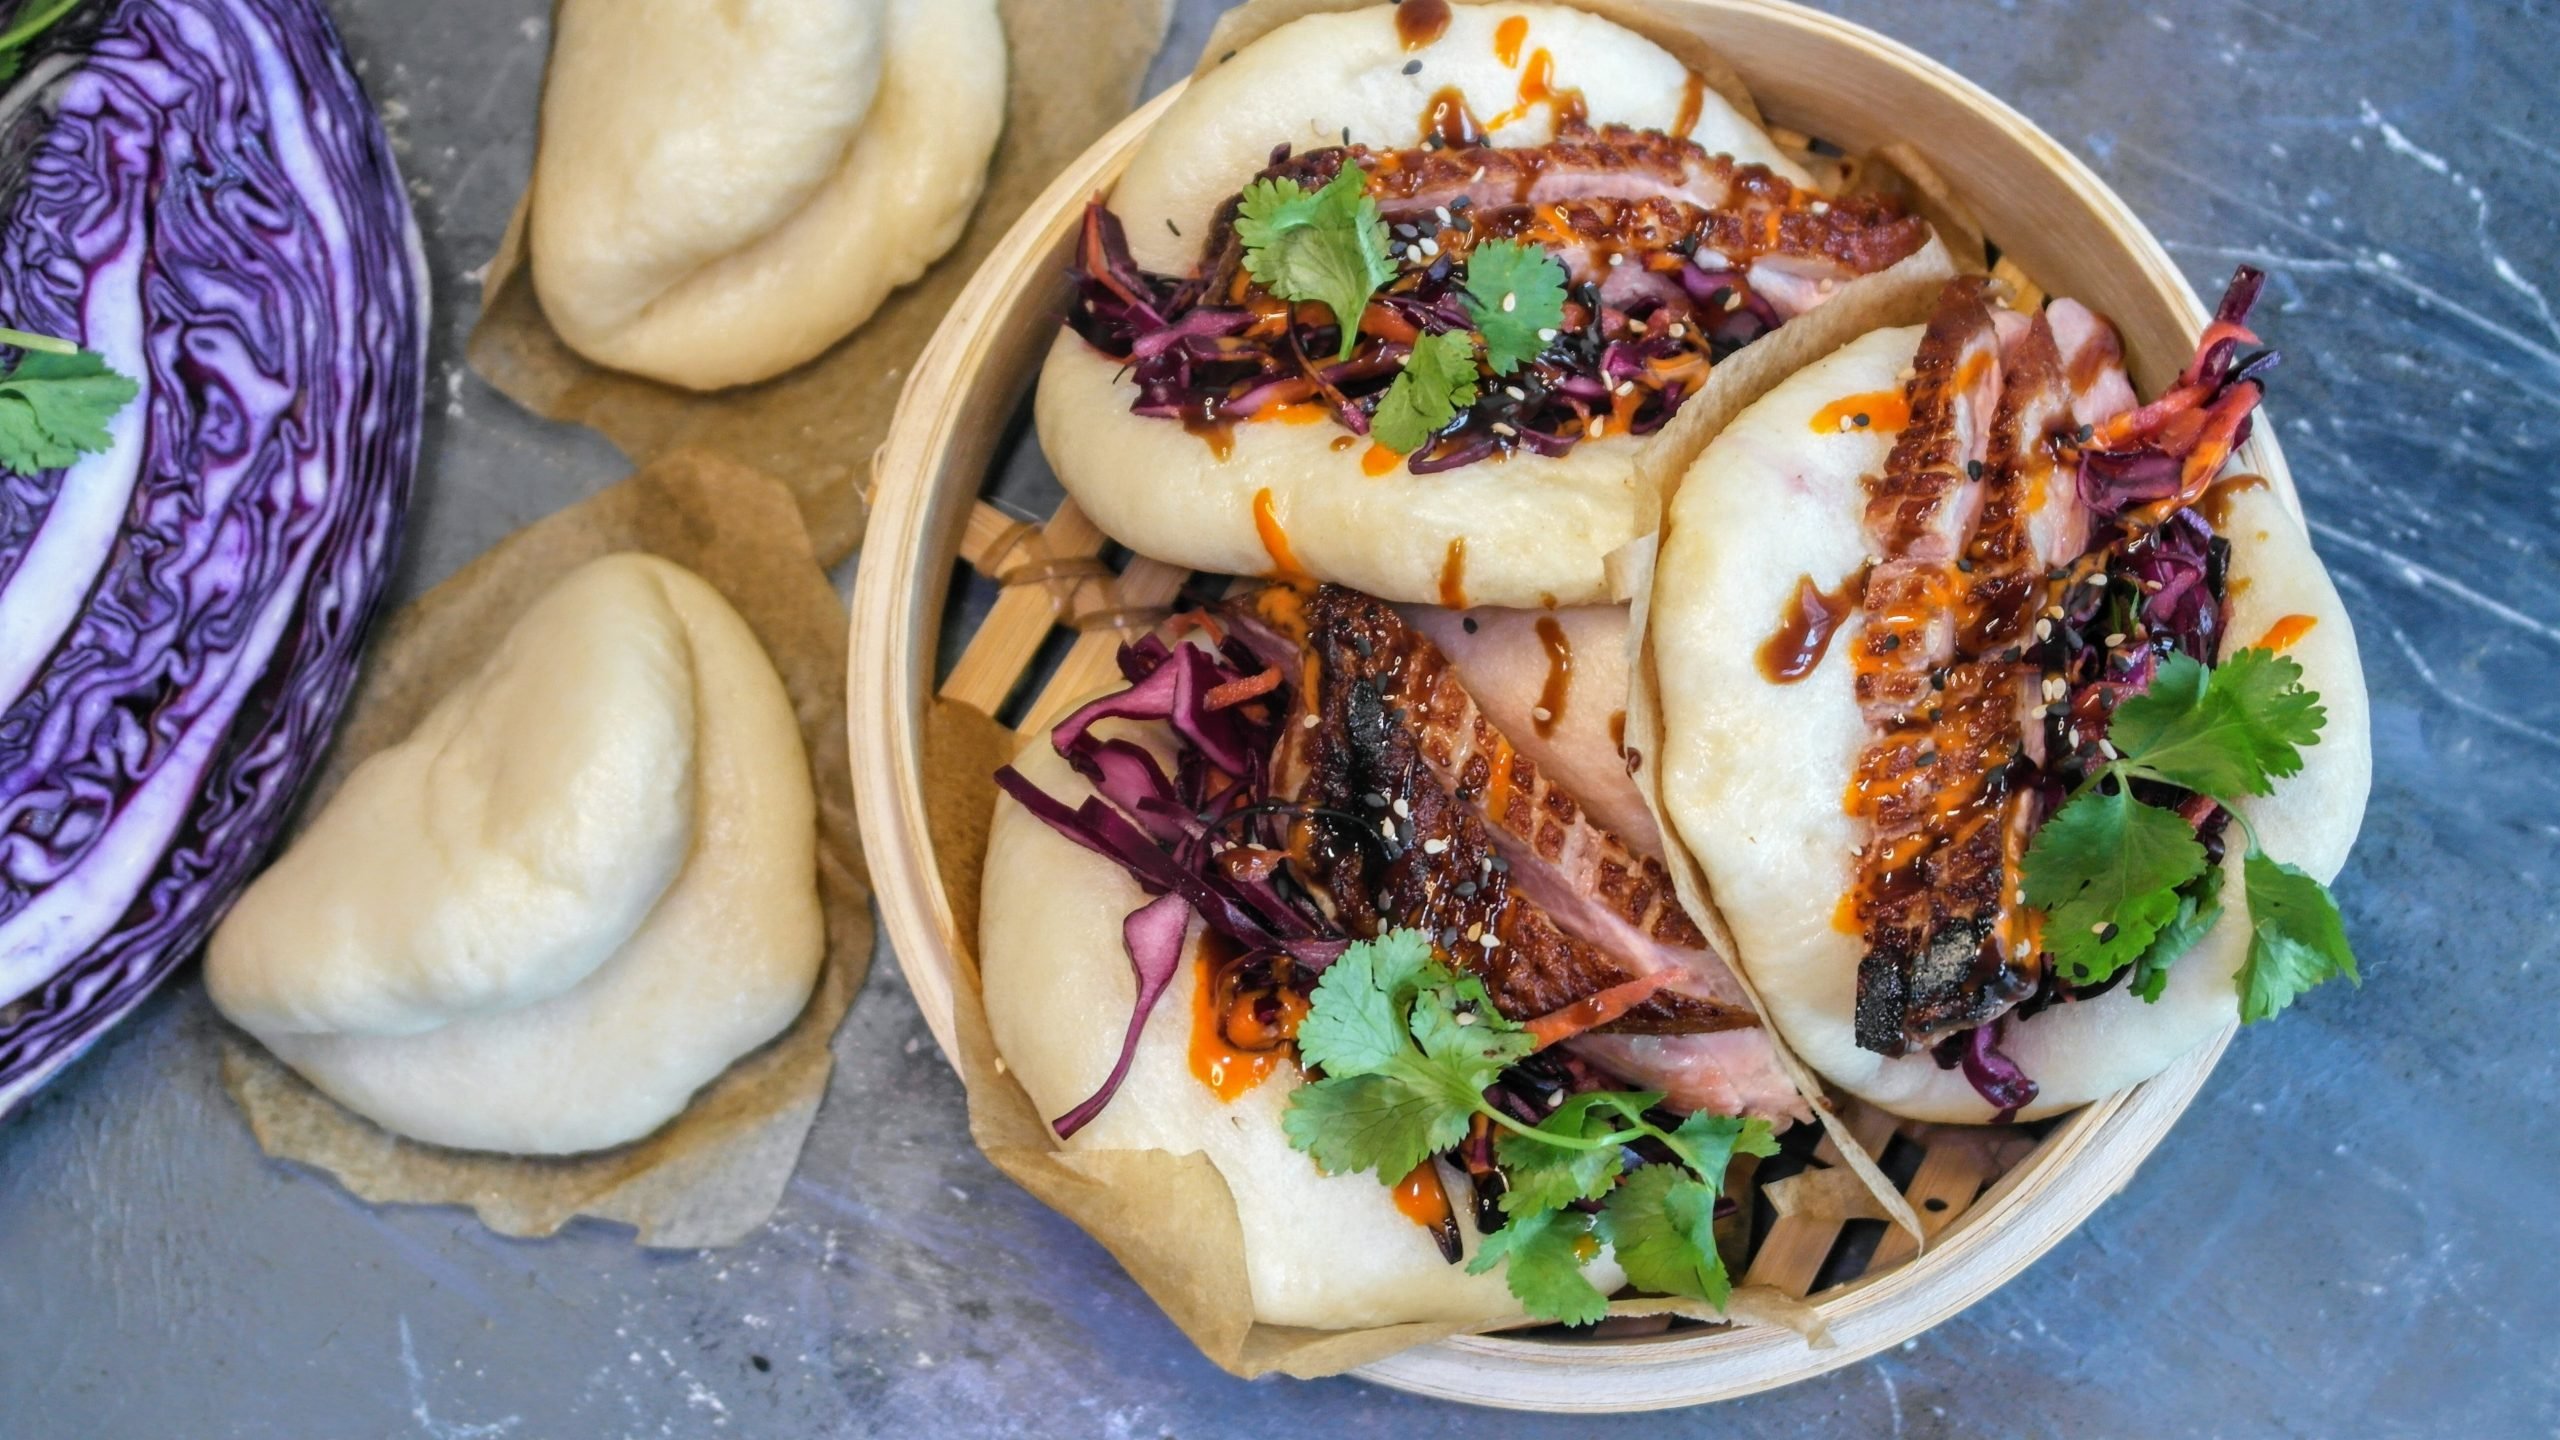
(1324, 1251)
(723, 191)
(1305, 494)
(1753, 771)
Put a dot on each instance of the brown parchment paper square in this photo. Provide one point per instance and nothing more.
(713, 1174)
(1074, 70)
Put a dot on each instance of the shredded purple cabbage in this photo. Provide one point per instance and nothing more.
(1173, 833)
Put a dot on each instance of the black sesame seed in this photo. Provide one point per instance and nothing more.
(1859, 420)
(1169, 225)
(1413, 67)
(1925, 757)
(1470, 623)
(1890, 642)
(762, 1364)
(1973, 469)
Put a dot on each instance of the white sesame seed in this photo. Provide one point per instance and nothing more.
(1547, 334)
(1826, 285)
(1310, 722)
(1598, 426)
(1434, 847)
(2099, 579)
(2115, 640)
(1510, 301)
(1443, 212)
(1430, 246)
(1403, 810)
(2039, 712)
(1492, 941)
(1502, 429)
(2098, 929)
(1679, 329)
(1820, 207)
(1733, 300)
(2053, 612)
(1478, 175)
(1515, 392)
(2044, 629)
(1845, 426)
(1386, 829)
(2107, 748)
(1626, 387)
(1466, 1017)
(1541, 714)
(1616, 260)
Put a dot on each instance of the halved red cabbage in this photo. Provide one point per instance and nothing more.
(201, 192)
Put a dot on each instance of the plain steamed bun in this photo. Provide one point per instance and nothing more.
(722, 191)
(372, 957)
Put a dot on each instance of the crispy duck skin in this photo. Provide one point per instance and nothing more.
(1937, 901)
(1463, 837)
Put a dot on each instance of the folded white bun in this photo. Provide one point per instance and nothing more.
(1537, 530)
(1326, 1251)
(1753, 772)
(724, 190)
(584, 886)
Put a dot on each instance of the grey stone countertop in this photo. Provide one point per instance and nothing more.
(2352, 1232)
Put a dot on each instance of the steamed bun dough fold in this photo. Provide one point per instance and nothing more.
(1752, 772)
(652, 948)
(1324, 1251)
(1537, 530)
(723, 190)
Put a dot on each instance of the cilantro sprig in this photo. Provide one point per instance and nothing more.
(1408, 1046)
(23, 32)
(1437, 381)
(1328, 246)
(1515, 294)
(2124, 883)
(56, 402)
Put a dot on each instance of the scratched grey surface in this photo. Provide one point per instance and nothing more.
(2352, 1232)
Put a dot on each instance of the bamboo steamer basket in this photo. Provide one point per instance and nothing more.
(1990, 1201)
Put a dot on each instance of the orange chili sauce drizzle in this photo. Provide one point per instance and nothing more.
(1883, 410)
(1551, 697)
(1275, 542)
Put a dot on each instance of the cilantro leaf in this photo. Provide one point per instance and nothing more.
(56, 408)
(1662, 1225)
(1547, 1176)
(1438, 379)
(1467, 1041)
(2105, 869)
(1329, 246)
(2297, 938)
(1542, 1255)
(1355, 1024)
(2199, 910)
(1514, 291)
(2231, 730)
(1708, 1143)
(1388, 1122)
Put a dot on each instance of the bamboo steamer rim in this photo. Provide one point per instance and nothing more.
(932, 466)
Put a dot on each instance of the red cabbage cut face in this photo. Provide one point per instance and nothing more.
(203, 195)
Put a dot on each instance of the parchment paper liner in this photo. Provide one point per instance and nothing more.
(1170, 1220)
(1074, 71)
(713, 1174)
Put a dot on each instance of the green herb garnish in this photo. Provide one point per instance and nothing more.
(1329, 246)
(55, 403)
(2124, 883)
(1515, 292)
(1408, 1045)
(1437, 381)
(15, 40)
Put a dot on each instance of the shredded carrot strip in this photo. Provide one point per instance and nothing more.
(1187, 621)
(1594, 1011)
(1236, 692)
